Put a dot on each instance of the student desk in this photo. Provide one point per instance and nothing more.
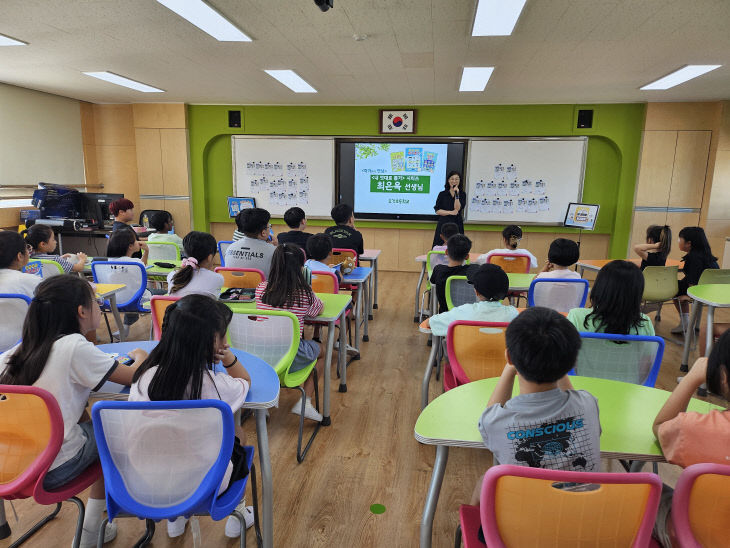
(263, 394)
(153, 271)
(422, 259)
(371, 257)
(627, 413)
(359, 277)
(109, 292)
(712, 295)
(597, 264)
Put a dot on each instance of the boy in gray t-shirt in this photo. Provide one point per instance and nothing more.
(549, 425)
(256, 248)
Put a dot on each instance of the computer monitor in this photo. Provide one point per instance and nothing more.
(581, 216)
(98, 204)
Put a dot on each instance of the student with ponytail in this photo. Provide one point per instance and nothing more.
(55, 355)
(658, 245)
(42, 240)
(196, 274)
(511, 237)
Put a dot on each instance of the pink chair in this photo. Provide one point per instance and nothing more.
(31, 434)
(475, 350)
(159, 304)
(701, 504)
(523, 506)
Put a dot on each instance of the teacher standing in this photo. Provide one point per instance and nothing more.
(449, 205)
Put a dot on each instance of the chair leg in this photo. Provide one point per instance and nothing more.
(302, 454)
(149, 532)
(256, 523)
(100, 536)
(108, 328)
(37, 527)
(457, 537)
(659, 312)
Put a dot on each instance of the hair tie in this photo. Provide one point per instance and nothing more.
(189, 261)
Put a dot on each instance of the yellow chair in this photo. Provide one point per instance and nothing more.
(660, 285)
(700, 505)
(511, 263)
(475, 350)
(241, 278)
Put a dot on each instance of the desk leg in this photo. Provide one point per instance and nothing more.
(342, 353)
(358, 315)
(4, 525)
(117, 316)
(418, 292)
(688, 336)
(581, 270)
(326, 421)
(267, 490)
(710, 321)
(427, 373)
(432, 497)
(367, 312)
(375, 283)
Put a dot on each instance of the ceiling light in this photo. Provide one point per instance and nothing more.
(291, 80)
(475, 78)
(680, 76)
(496, 17)
(7, 41)
(206, 19)
(122, 81)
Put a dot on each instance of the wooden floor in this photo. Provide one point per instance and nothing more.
(367, 456)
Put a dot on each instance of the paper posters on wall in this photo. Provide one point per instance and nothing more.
(284, 182)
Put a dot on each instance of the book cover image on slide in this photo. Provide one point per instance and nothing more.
(429, 161)
(413, 159)
(397, 161)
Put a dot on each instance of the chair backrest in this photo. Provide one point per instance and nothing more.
(31, 433)
(434, 258)
(561, 294)
(476, 349)
(223, 246)
(523, 506)
(130, 273)
(510, 262)
(701, 504)
(324, 282)
(163, 251)
(339, 254)
(162, 458)
(634, 359)
(272, 335)
(715, 276)
(248, 278)
(144, 217)
(660, 283)
(159, 304)
(50, 268)
(459, 291)
(34, 267)
(13, 308)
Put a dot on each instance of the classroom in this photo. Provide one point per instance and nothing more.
(431, 272)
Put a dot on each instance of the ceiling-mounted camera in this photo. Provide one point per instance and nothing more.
(324, 5)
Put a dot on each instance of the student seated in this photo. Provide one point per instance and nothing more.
(55, 355)
(196, 274)
(123, 211)
(562, 255)
(457, 252)
(161, 221)
(238, 231)
(344, 235)
(319, 247)
(447, 231)
(542, 346)
(256, 247)
(689, 437)
(42, 241)
(658, 244)
(511, 237)
(180, 367)
(616, 303)
(14, 255)
(123, 246)
(296, 220)
(491, 286)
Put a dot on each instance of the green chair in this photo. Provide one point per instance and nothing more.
(714, 276)
(433, 258)
(163, 251)
(660, 285)
(273, 336)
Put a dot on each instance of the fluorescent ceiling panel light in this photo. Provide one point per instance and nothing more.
(475, 78)
(681, 76)
(122, 81)
(7, 41)
(206, 19)
(291, 80)
(496, 17)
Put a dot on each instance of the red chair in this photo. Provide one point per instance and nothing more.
(475, 350)
(701, 504)
(31, 434)
(159, 304)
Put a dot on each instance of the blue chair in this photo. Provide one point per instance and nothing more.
(635, 359)
(222, 248)
(166, 459)
(13, 307)
(561, 294)
(130, 273)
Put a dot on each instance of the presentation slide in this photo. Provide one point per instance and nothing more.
(399, 178)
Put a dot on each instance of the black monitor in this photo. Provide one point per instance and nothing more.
(98, 207)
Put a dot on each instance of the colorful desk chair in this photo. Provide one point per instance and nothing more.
(48, 268)
(511, 262)
(246, 278)
(13, 308)
(561, 294)
(701, 505)
(475, 350)
(223, 246)
(130, 273)
(326, 282)
(158, 305)
(163, 251)
(660, 285)
(459, 291)
(31, 434)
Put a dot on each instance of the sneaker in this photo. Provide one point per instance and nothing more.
(89, 538)
(177, 527)
(677, 330)
(233, 526)
(309, 411)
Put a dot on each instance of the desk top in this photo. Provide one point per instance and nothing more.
(598, 264)
(711, 294)
(104, 290)
(334, 304)
(264, 391)
(370, 254)
(358, 275)
(627, 413)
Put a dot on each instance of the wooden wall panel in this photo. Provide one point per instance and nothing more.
(87, 124)
(180, 211)
(681, 116)
(160, 115)
(642, 221)
(113, 125)
(91, 168)
(9, 218)
(175, 172)
(718, 230)
(655, 168)
(677, 221)
(149, 161)
(690, 168)
(146, 203)
(719, 207)
(118, 170)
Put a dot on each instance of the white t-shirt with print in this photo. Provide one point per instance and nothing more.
(203, 282)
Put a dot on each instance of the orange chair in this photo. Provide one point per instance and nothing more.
(241, 278)
(31, 434)
(338, 255)
(475, 350)
(325, 282)
(512, 263)
(159, 304)
(523, 506)
(701, 504)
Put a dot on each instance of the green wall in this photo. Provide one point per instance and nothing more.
(611, 163)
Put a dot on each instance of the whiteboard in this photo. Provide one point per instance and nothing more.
(283, 172)
(524, 181)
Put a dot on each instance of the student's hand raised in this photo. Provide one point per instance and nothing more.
(223, 354)
(548, 267)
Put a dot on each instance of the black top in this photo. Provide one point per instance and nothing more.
(119, 224)
(439, 275)
(653, 259)
(344, 237)
(446, 201)
(694, 264)
(296, 237)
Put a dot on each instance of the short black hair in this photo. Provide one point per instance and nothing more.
(294, 216)
(563, 252)
(542, 345)
(159, 219)
(119, 242)
(449, 229)
(319, 246)
(252, 221)
(341, 213)
(11, 243)
(458, 247)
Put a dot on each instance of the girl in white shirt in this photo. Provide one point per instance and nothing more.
(14, 255)
(55, 355)
(511, 236)
(196, 274)
(123, 243)
(181, 368)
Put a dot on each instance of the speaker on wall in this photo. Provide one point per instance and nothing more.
(234, 118)
(585, 119)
